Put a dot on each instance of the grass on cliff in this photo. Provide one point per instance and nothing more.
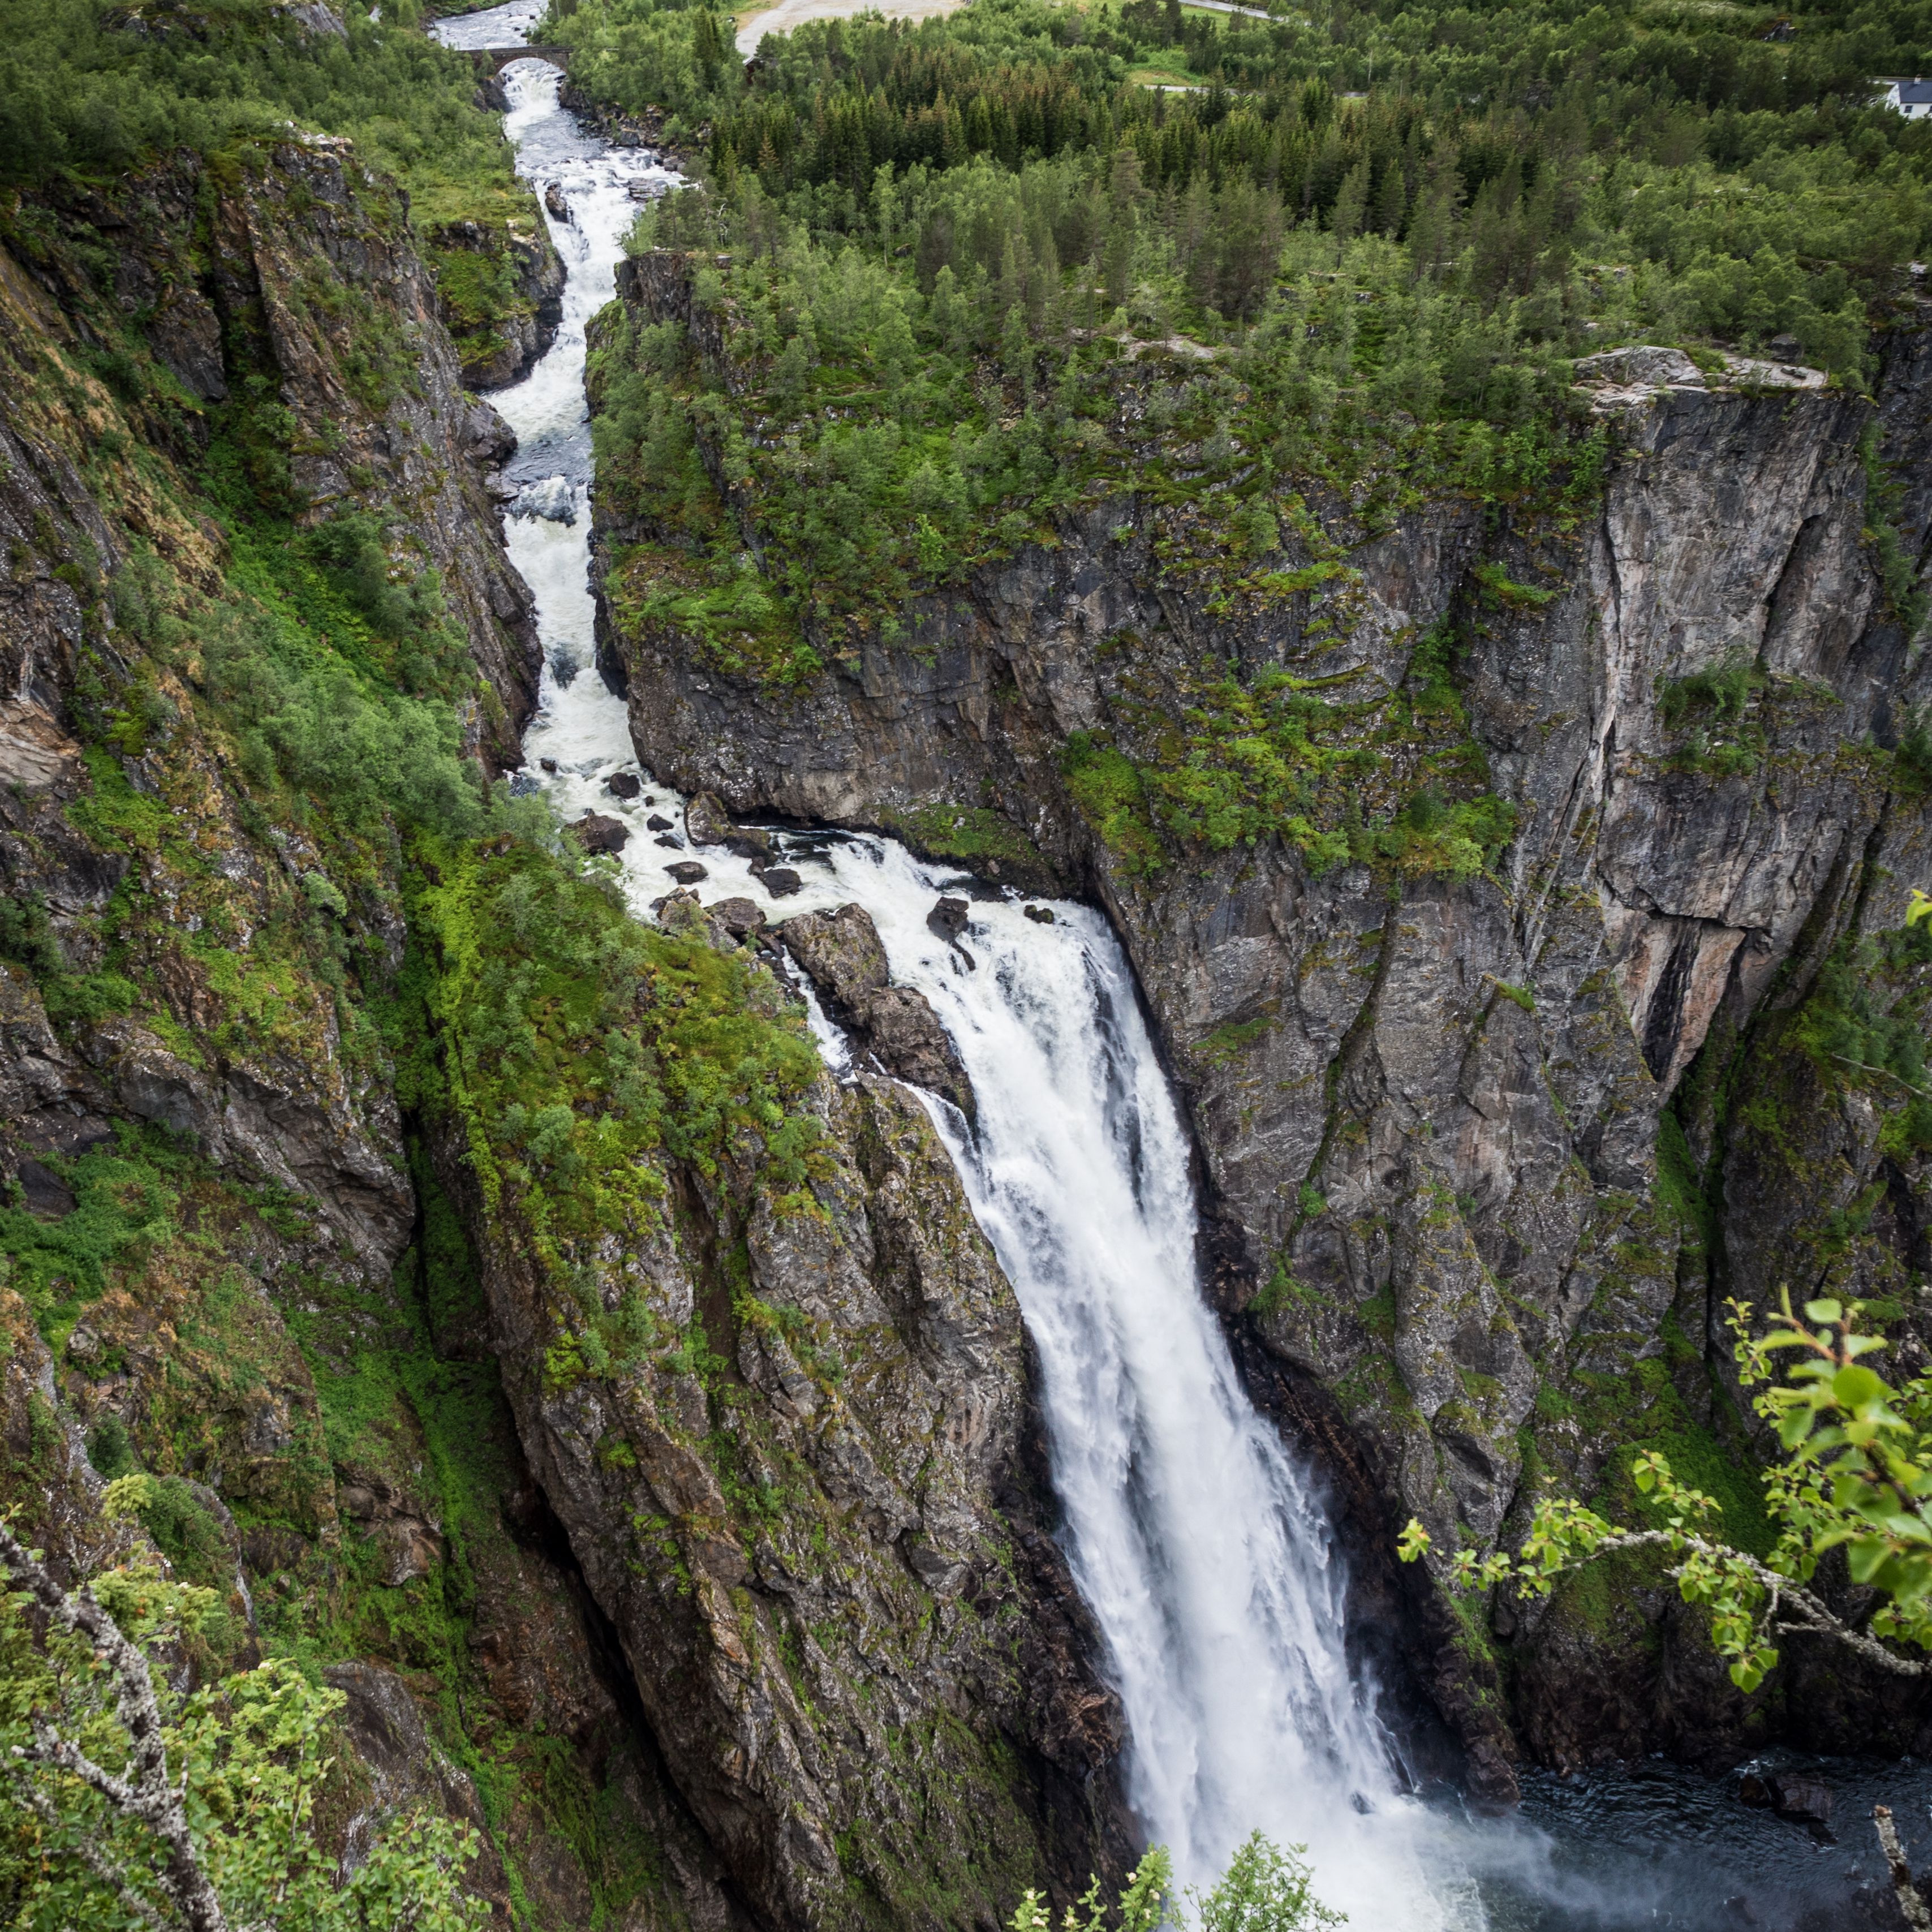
(571, 1044)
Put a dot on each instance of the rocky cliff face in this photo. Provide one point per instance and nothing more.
(818, 1525)
(767, 1630)
(216, 1266)
(500, 294)
(1487, 1142)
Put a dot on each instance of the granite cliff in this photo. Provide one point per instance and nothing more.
(739, 1609)
(1541, 1037)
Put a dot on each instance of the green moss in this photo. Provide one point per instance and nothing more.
(1716, 708)
(974, 836)
(127, 1195)
(1108, 792)
(1227, 1044)
(571, 1044)
(1497, 586)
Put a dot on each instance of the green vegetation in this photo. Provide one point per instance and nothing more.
(975, 836)
(1857, 1476)
(953, 284)
(574, 1042)
(1264, 1889)
(95, 1829)
(91, 92)
(1863, 1024)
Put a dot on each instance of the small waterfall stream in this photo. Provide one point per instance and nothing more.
(1201, 1545)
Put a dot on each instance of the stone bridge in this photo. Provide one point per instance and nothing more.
(494, 60)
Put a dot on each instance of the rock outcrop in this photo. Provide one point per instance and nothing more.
(499, 293)
(1488, 1140)
(820, 1533)
(839, 951)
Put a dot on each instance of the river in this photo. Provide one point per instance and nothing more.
(1202, 1545)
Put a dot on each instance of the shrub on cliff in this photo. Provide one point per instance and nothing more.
(1856, 1477)
(126, 1800)
(1264, 1889)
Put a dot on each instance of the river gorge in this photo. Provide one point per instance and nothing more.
(811, 991)
(1202, 1545)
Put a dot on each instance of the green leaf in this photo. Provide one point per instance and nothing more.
(1855, 1386)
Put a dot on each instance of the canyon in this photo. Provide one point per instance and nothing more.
(787, 1618)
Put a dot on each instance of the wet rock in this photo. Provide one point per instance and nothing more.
(657, 822)
(554, 499)
(706, 822)
(900, 1027)
(549, 765)
(596, 833)
(739, 917)
(688, 871)
(949, 919)
(1040, 915)
(781, 881)
(623, 784)
(670, 844)
(554, 201)
(841, 953)
(1797, 1794)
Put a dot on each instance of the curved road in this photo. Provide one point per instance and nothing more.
(790, 14)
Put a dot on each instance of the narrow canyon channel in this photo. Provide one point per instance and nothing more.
(1201, 1545)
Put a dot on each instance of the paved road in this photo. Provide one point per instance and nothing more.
(790, 14)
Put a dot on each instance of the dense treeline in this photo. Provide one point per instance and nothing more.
(1732, 157)
(980, 270)
(91, 90)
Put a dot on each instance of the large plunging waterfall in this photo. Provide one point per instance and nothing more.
(1201, 1546)
(1204, 1554)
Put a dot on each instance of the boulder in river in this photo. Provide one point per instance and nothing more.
(623, 784)
(688, 871)
(840, 953)
(597, 833)
(741, 918)
(781, 881)
(948, 918)
(706, 822)
(657, 822)
(1040, 915)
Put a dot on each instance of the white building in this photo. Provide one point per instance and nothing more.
(1911, 98)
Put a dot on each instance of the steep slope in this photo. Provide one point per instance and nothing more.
(1496, 1042)
(752, 1619)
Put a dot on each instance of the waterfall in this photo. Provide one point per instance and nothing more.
(1201, 1545)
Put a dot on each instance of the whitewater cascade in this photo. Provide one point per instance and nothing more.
(1200, 1546)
